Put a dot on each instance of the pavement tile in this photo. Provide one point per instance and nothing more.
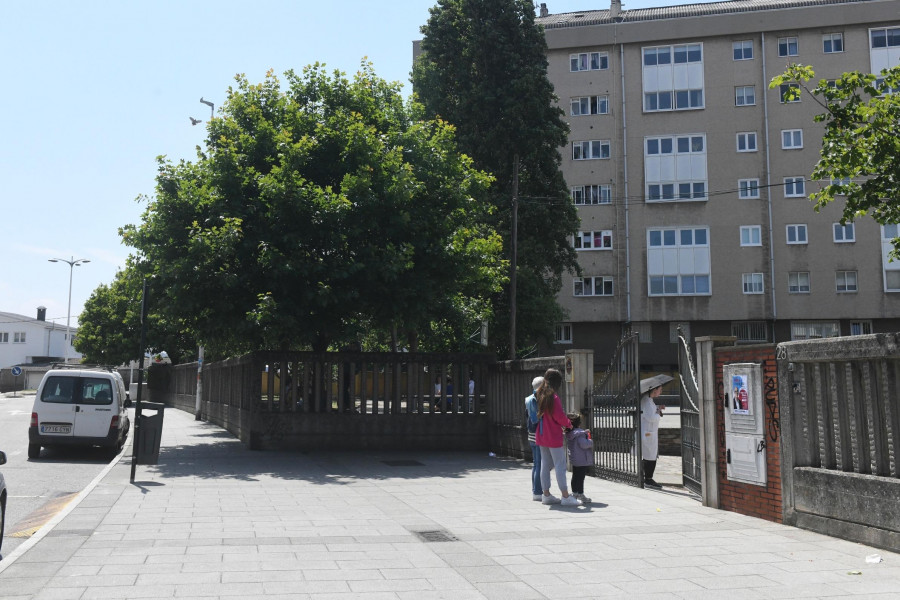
(56, 594)
(214, 520)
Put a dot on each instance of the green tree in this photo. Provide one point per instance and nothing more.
(483, 67)
(860, 158)
(314, 212)
(109, 326)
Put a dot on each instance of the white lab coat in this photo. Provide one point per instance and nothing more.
(649, 429)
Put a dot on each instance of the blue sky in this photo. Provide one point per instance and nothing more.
(95, 90)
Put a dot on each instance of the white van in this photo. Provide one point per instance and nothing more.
(79, 407)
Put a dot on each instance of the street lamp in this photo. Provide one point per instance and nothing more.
(72, 264)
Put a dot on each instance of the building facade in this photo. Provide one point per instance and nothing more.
(692, 177)
(27, 340)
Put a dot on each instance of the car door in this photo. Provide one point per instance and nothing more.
(56, 405)
(95, 407)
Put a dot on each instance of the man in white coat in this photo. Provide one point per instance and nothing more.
(651, 388)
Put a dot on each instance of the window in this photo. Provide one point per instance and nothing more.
(678, 262)
(746, 141)
(796, 234)
(814, 330)
(891, 269)
(860, 327)
(593, 286)
(589, 61)
(593, 240)
(794, 187)
(844, 233)
(743, 50)
(590, 105)
(673, 331)
(673, 77)
(788, 46)
(752, 282)
(591, 194)
(750, 331)
(644, 331)
(748, 188)
(789, 92)
(675, 168)
(845, 281)
(745, 95)
(832, 42)
(19, 337)
(751, 235)
(590, 150)
(563, 333)
(4, 337)
(798, 282)
(791, 139)
(885, 38)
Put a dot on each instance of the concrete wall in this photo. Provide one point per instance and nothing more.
(840, 421)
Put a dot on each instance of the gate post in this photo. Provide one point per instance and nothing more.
(579, 378)
(706, 376)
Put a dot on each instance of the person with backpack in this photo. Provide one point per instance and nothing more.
(531, 423)
(549, 437)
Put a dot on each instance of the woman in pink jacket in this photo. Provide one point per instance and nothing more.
(549, 437)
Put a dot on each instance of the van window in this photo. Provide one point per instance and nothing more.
(77, 390)
(58, 390)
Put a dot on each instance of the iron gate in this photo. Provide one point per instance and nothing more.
(615, 417)
(691, 459)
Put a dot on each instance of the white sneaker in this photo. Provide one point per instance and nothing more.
(583, 498)
(537, 497)
(551, 499)
(570, 500)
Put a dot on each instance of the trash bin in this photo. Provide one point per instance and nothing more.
(148, 433)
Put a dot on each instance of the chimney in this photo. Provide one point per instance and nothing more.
(615, 7)
(544, 11)
(42, 313)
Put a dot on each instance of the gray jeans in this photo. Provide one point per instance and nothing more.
(553, 458)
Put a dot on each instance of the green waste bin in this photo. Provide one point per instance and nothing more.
(149, 433)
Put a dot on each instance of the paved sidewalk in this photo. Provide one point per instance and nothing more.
(214, 520)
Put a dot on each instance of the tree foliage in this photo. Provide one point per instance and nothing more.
(860, 157)
(110, 325)
(315, 212)
(483, 67)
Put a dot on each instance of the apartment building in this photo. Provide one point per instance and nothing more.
(692, 177)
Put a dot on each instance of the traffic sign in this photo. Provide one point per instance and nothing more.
(17, 371)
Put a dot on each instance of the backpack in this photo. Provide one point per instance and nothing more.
(531, 415)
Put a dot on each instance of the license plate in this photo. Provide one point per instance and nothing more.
(56, 428)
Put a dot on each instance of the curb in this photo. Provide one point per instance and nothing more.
(49, 525)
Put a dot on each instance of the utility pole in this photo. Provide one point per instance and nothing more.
(512, 261)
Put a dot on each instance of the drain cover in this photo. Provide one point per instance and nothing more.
(403, 463)
(438, 535)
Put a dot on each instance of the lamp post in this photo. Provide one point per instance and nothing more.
(72, 264)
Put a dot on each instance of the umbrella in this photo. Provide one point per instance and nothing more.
(653, 382)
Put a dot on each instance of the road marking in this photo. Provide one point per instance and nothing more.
(28, 526)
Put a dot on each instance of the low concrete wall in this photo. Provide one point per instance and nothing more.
(840, 420)
(363, 432)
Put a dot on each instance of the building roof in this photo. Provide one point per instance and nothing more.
(8, 319)
(601, 17)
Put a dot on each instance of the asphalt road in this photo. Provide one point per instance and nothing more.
(38, 489)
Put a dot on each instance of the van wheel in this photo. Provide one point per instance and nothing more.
(34, 450)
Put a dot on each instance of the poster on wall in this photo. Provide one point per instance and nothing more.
(740, 398)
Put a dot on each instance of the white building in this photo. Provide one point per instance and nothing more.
(26, 340)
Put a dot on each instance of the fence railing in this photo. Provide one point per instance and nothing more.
(286, 399)
(839, 405)
(846, 407)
